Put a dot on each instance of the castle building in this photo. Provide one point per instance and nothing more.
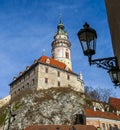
(47, 72)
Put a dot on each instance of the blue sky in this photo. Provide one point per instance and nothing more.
(27, 28)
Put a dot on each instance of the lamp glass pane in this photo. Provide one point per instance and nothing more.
(114, 76)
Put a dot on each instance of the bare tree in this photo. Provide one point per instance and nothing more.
(99, 94)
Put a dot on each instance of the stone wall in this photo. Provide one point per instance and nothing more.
(57, 78)
(25, 80)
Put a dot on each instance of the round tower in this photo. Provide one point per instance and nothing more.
(61, 46)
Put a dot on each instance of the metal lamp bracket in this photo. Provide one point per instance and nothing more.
(105, 63)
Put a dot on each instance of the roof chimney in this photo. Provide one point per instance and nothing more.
(81, 77)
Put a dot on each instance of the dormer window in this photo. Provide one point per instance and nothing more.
(48, 61)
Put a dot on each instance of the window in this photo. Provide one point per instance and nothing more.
(116, 127)
(58, 74)
(46, 70)
(67, 55)
(46, 80)
(68, 77)
(110, 127)
(59, 83)
(33, 81)
(103, 126)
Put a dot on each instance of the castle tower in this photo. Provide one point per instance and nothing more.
(61, 46)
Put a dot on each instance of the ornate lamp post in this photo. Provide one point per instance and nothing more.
(87, 37)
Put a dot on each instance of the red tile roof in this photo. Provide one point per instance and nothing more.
(115, 103)
(53, 62)
(60, 127)
(44, 60)
(100, 114)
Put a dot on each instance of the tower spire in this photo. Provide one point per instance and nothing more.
(60, 28)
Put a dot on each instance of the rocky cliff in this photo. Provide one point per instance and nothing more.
(51, 106)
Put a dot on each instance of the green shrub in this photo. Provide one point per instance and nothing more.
(3, 116)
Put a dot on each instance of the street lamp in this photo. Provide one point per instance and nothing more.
(87, 37)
